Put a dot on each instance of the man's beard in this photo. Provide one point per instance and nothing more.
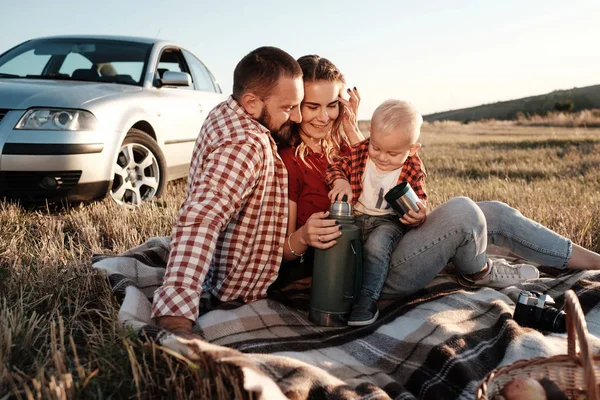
(265, 120)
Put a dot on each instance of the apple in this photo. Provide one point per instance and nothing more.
(522, 388)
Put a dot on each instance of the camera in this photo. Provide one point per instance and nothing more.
(534, 310)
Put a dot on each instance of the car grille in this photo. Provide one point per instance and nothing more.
(31, 184)
(3, 112)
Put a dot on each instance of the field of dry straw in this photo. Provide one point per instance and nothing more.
(58, 338)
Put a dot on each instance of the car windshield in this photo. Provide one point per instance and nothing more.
(91, 60)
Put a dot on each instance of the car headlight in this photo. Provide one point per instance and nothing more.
(49, 119)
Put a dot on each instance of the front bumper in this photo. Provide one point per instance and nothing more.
(55, 165)
(33, 186)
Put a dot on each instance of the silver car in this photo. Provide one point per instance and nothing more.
(83, 117)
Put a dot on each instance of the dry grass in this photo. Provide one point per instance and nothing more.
(585, 118)
(550, 174)
(58, 338)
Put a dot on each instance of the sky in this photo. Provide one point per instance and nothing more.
(437, 54)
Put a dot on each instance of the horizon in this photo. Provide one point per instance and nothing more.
(439, 56)
(510, 100)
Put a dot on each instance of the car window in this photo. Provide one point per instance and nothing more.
(131, 68)
(78, 59)
(201, 76)
(172, 60)
(74, 61)
(170, 66)
(25, 64)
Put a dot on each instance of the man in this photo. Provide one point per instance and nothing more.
(229, 234)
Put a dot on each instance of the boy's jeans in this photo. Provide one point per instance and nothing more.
(459, 231)
(380, 235)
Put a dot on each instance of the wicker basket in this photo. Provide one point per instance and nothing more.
(575, 373)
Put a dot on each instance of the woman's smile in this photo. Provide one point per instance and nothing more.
(321, 127)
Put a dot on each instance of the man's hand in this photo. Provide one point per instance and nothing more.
(415, 219)
(181, 326)
(340, 188)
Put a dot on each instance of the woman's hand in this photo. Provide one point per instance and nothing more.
(415, 219)
(319, 231)
(349, 119)
(340, 188)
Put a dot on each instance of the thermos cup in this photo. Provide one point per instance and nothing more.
(337, 272)
(402, 198)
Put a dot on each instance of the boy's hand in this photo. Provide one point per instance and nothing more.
(415, 219)
(340, 188)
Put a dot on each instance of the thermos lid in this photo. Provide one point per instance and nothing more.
(397, 191)
(341, 208)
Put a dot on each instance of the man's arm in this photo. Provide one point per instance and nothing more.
(226, 178)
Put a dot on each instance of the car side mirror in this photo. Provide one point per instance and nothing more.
(175, 78)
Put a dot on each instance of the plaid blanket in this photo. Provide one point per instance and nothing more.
(437, 344)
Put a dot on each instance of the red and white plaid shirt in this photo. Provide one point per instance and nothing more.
(352, 169)
(229, 234)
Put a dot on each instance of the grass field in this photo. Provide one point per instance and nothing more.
(58, 338)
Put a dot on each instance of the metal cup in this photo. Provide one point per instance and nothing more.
(402, 198)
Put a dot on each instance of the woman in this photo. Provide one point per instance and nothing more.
(458, 230)
(307, 149)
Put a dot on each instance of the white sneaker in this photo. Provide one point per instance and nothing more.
(503, 274)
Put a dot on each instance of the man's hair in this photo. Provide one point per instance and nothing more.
(397, 115)
(260, 70)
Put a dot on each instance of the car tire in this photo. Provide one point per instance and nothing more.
(140, 170)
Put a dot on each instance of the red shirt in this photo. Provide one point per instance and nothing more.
(307, 186)
(229, 234)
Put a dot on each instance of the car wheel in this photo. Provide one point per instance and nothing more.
(140, 170)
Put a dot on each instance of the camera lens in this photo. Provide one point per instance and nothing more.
(553, 320)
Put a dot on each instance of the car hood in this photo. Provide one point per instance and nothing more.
(25, 93)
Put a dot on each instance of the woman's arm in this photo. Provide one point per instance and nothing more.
(293, 238)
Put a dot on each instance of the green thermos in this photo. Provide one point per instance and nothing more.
(337, 272)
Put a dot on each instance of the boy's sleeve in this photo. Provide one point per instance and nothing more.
(419, 187)
(338, 169)
(416, 177)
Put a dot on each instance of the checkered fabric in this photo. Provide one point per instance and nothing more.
(229, 233)
(436, 344)
(352, 168)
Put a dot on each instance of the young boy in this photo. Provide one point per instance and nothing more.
(375, 166)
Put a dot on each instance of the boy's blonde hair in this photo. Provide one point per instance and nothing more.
(397, 115)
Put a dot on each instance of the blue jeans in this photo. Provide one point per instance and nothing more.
(380, 235)
(459, 231)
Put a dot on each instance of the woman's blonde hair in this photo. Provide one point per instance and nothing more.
(315, 69)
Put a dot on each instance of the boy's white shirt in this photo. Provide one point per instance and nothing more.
(375, 185)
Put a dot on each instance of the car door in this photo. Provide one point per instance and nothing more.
(206, 88)
(181, 112)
